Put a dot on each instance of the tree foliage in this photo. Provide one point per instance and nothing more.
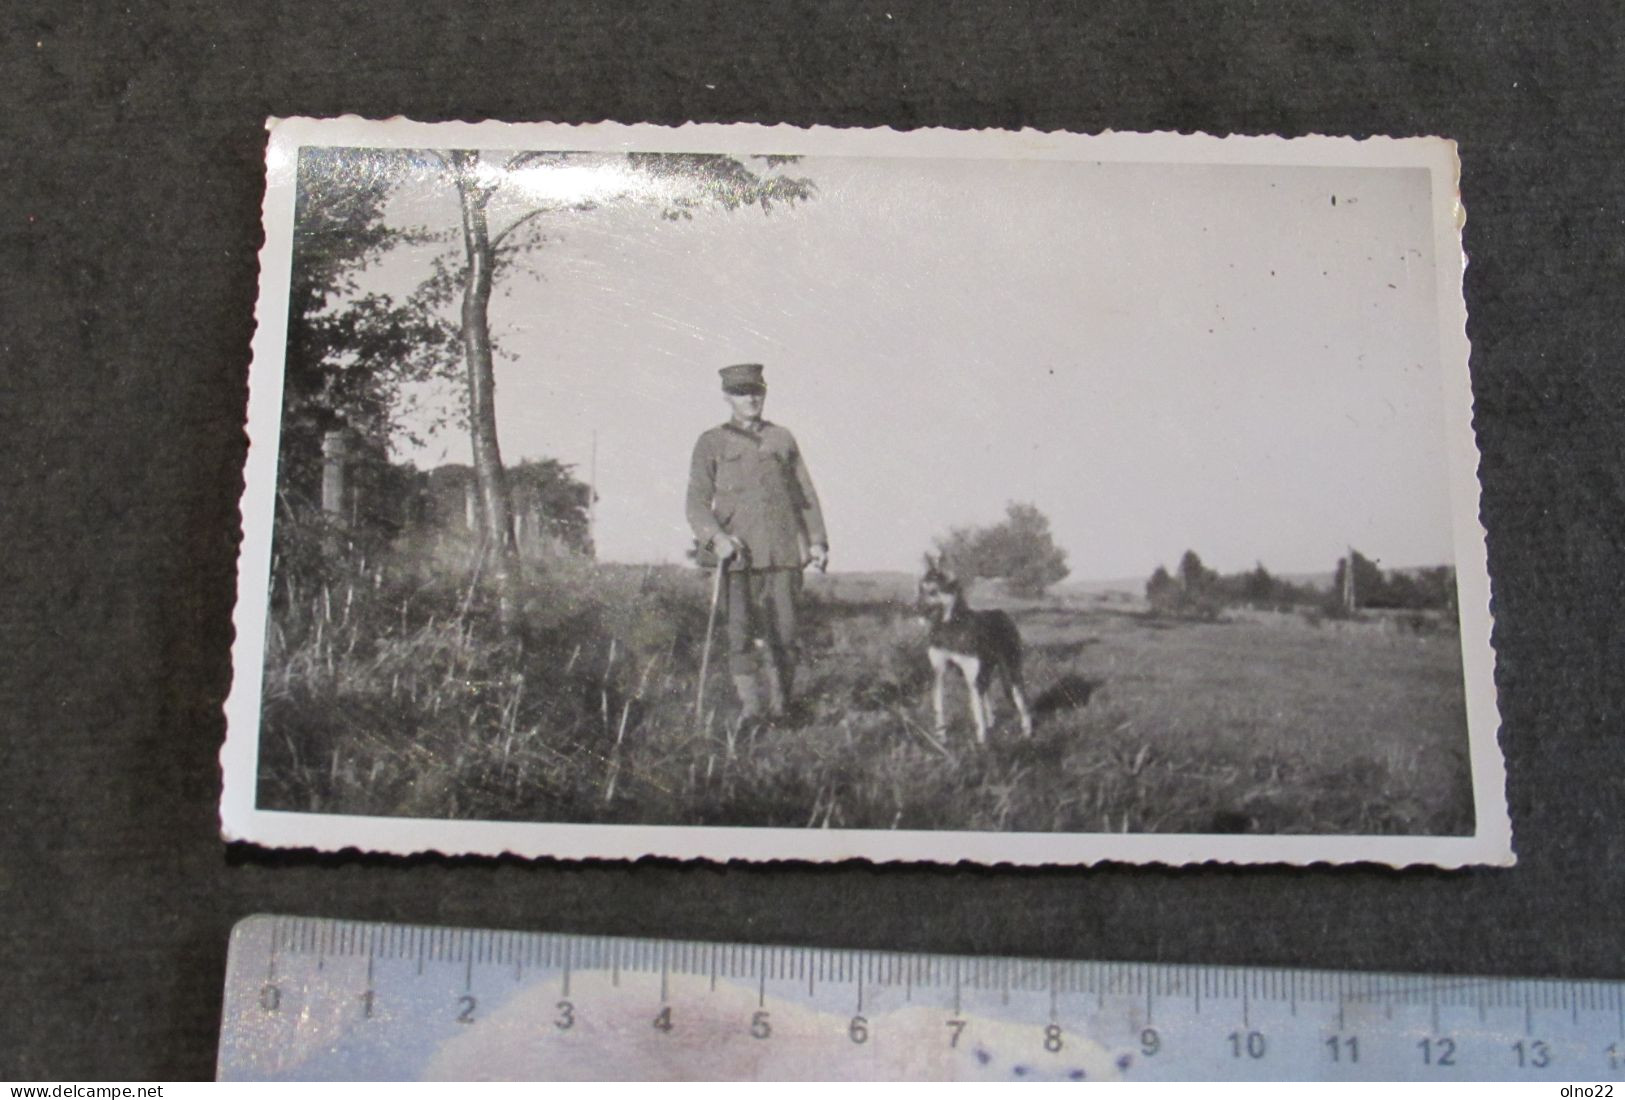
(1021, 551)
(1193, 590)
(1404, 590)
(1193, 575)
(686, 182)
(542, 489)
(548, 490)
(351, 355)
(1162, 592)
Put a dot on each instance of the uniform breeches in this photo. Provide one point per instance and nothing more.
(761, 604)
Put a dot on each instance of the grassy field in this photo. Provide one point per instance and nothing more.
(388, 692)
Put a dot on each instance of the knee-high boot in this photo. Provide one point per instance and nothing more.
(781, 679)
(750, 697)
(777, 694)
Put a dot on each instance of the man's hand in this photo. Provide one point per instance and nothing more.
(820, 557)
(724, 547)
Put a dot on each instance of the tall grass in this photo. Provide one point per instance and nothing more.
(388, 691)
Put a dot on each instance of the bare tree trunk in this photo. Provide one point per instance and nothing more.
(489, 475)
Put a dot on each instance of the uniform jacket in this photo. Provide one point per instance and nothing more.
(755, 487)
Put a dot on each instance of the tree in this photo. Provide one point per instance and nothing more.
(1194, 577)
(545, 493)
(1020, 550)
(1258, 587)
(349, 355)
(547, 490)
(1162, 592)
(1193, 590)
(1436, 588)
(678, 184)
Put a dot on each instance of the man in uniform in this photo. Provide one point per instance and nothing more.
(752, 505)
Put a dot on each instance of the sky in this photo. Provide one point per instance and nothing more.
(1159, 356)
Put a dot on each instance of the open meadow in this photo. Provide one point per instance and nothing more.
(388, 691)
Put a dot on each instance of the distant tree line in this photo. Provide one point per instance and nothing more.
(1195, 591)
(382, 500)
(1431, 589)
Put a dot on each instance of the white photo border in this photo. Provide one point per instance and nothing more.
(242, 821)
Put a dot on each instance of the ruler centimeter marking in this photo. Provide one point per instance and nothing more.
(309, 998)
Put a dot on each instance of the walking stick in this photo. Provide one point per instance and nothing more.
(710, 629)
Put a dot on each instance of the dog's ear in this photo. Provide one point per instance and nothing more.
(930, 566)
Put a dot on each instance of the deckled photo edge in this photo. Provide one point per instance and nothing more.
(1491, 842)
(257, 505)
(1162, 146)
(1494, 822)
(400, 837)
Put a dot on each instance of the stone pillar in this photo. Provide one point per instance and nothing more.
(334, 451)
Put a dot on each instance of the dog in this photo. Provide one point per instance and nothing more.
(978, 643)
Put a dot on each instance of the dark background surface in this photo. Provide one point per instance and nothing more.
(130, 164)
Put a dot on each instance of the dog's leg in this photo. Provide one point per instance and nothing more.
(939, 673)
(1018, 695)
(984, 685)
(972, 670)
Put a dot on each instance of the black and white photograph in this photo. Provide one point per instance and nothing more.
(741, 492)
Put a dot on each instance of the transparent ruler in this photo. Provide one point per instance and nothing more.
(310, 999)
